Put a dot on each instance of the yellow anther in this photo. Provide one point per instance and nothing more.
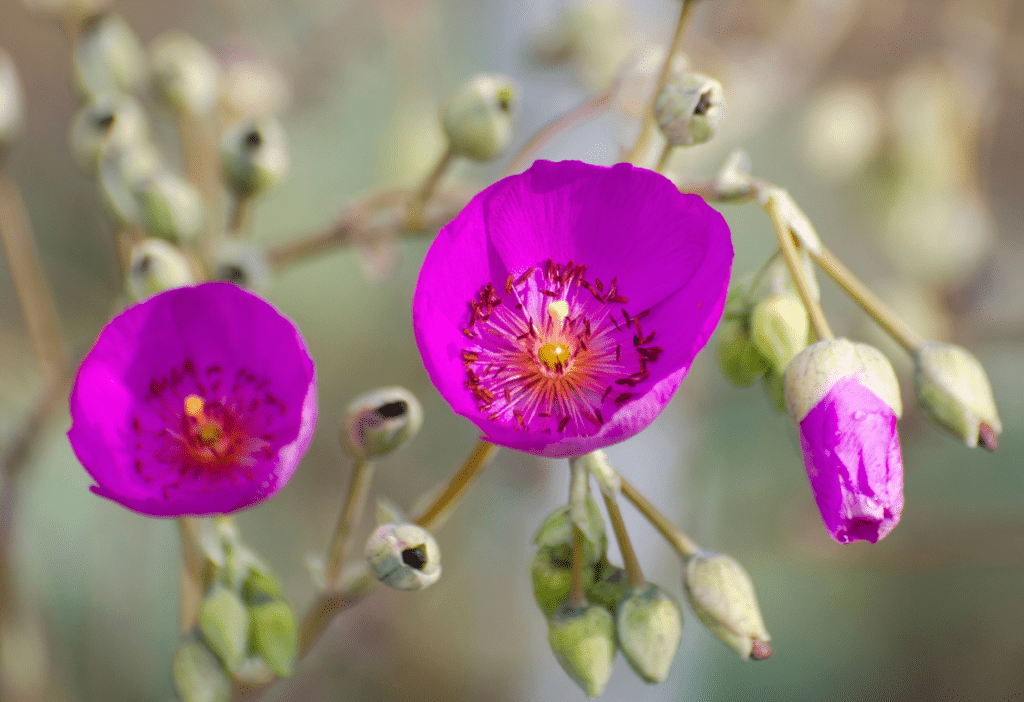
(558, 310)
(194, 408)
(554, 355)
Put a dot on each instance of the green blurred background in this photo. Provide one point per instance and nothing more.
(896, 124)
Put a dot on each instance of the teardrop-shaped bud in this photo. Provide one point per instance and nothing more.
(477, 118)
(649, 625)
(583, 641)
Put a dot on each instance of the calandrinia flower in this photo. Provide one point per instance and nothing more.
(199, 400)
(563, 306)
(845, 400)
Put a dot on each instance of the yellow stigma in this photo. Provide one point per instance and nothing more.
(554, 355)
(194, 408)
(558, 310)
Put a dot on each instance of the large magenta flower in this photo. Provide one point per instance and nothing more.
(563, 306)
(197, 401)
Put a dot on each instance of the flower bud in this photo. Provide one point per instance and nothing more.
(404, 556)
(107, 118)
(224, 622)
(690, 108)
(845, 400)
(12, 107)
(156, 266)
(108, 56)
(738, 356)
(551, 576)
(610, 584)
(779, 326)
(242, 263)
(477, 119)
(381, 421)
(198, 674)
(274, 635)
(170, 206)
(254, 156)
(557, 530)
(251, 84)
(184, 73)
(955, 392)
(649, 624)
(722, 596)
(583, 641)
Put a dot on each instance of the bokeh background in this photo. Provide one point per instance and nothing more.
(896, 124)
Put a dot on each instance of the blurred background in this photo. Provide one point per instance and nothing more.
(896, 124)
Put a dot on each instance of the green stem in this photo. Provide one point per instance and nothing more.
(481, 455)
(629, 559)
(192, 576)
(351, 511)
(679, 541)
(415, 213)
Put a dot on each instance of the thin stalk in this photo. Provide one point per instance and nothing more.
(241, 209)
(666, 153)
(192, 565)
(577, 588)
(679, 541)
(481, 455)
(418, 204)
(869, 301)
(200, 163)
(355, 501)
(821, 329)
(629, 559)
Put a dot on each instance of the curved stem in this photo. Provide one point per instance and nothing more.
(481, 455)
(358, 491)
(629, 559)
(679, 541)
(192, 563)
(588, 109)
(418, 204)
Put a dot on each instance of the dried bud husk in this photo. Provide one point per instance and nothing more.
(477, 119)
(551, 576)
(108, 56)
(274, 635)
(12, 104)
(243, 263)
(224, 622)
(109, 118)
(722, 596)
(254, 156)
(583, 641)
(404, 556)
(955, 392)
(779, 327)
(198, 674)
(738, 357)
(170, 206)
(690, 108)
(156, 266)
(381, 421)
(649, 624)
(608, 585)
(184, 73)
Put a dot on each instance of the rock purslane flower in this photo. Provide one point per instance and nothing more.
(200, 400)
(562, 307)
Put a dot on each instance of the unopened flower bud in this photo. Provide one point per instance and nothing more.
(779, 326)
(198, 674)
(108, 118)
(583, 641)
(738, 356)
(845, 401)
(242, 263)
(722, 596)
(381, 421)
(557, 530)
(649, 625)
(224, 622)
(404, 556)
(108, 56)
(955, 392)
(551, 577)
(157, 266)
(610, 584)
(12, 107)
(184, 72)
(477, 119)
(254, 156)
(170, 206)
(690, 108)
(274, 635)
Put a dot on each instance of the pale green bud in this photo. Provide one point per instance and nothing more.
(557, 530)
(649, 624)
(156, 266)
(404, 556)
(583, 641)
(198, 674)
(108, 56)
(551, 577)
(242, 263)
(185, 73)
(170, 206)
(814, 371)
(610, 584)
(12, 106)
(722, 596)
(274, 635)
(779, 326)
(738, 357)
(109, 118)
(254, 155)
(955, 392)
(381, 421)
(224, 622)
(690, 108)
(477, 119)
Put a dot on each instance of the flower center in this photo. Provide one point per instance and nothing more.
(549, 355)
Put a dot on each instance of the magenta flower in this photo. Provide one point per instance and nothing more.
(845, 400)
(563, 306)
(197, 401)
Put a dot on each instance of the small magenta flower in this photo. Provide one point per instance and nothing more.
(200, 400)
(561, 308)
(845, 400)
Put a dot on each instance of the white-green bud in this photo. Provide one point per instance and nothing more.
(477, 118)
(404, 556)
(109, 118)
(184, 73)
(955, 392)
(378, 422)
(242, 263)
(583, 641)
(156, 266)
(224, 622)
(690, 108)
(741, 362)
(649, 625)
(170, 206)
(779, 327)
(551, 577)
(557, 530)
(12, 103)
(254, 155)
(814, 372)
(108, 56)
(722, 596)
(275, 637)
(198, 674)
